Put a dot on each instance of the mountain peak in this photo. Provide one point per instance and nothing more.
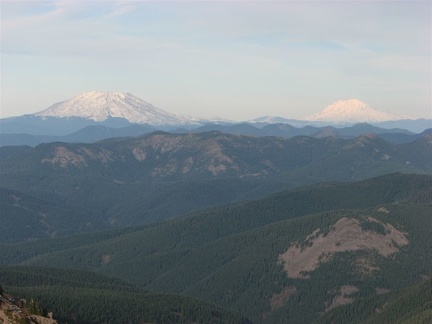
(352, 111)
(100, 105)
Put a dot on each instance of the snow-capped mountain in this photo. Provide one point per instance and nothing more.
(99, 106)
(352, 111)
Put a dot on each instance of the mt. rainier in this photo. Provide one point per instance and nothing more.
(352, 111)
(99, 106)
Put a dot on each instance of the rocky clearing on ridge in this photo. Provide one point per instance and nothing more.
(345, 235)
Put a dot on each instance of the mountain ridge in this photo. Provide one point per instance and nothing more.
(116, 109)
(161, 175)
(97, 132)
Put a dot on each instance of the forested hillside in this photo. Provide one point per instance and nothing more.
(289, 257)
(133, 181)
(409, 305)
(84, 297)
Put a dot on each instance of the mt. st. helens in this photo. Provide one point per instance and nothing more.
(99, 106)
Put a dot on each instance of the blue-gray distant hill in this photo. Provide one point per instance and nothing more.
(96, 132)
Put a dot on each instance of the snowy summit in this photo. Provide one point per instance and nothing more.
(99, 106)
(352, 111)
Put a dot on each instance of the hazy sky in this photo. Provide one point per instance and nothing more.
(238, 60)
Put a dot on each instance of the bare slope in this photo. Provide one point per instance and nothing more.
(346, 235)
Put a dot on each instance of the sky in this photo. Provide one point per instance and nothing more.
(230, 59)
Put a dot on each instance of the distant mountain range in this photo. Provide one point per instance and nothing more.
(122, 110)
(97, 132)
(100, 106)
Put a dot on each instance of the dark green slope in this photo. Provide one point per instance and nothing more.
(229, 256)
(24, 217)
(410, 305)
(19, 276)
(417, 153)
(242, 272)
(215, 223)
(84, 297)
(365, 157)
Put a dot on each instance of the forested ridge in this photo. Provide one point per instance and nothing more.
(135, 181)
(230, 256)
